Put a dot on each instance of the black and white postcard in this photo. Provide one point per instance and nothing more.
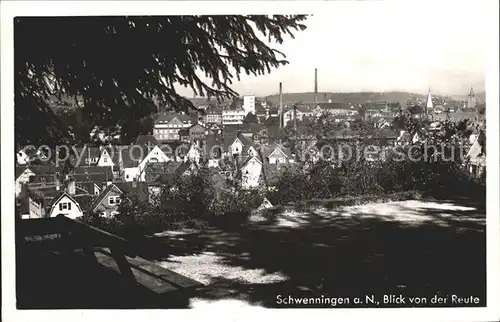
(180, 159)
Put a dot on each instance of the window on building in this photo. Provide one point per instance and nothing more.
(114, 200)
(65, 206)
(105, 159)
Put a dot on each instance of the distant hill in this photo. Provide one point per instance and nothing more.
(354, 97)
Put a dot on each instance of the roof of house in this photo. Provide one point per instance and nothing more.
(46, 169)
(154, 170)
(211, 141)
(45, 194)
(171, 147)
(103, 194)
(93, 170)
(144, 140)
(178, 170)
(243, 128)
(138, 188)
(169, 116)
(58, 197)
(165, 172)
(129, 155)
(267, 149)
(477, 151)
(334, 106)
(197, 125)
(84, 201)
(19, 171)
(87, 186)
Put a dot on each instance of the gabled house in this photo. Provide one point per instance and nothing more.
(266, 204)
(298, 113)
(236, 145)
(476, 156)
(250, 173)
(197, 132)
(65, 204)
(105, 159)
(22, 177)
(275, 153)
(194, 154)
(53, 201)
(146, 140)
(213, 150)
(108, 201)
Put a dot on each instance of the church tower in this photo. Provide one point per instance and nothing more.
(471, 102)
(429, 107)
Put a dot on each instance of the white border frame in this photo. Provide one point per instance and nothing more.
(10, 9)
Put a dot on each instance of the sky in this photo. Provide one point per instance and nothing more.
(383, 46)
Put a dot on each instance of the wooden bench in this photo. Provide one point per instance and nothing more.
(107, 250)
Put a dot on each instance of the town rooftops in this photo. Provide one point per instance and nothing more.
(165, 172)
(334, 106)
(86, 152)
(46, 169)
(169, 116)
(128, 155)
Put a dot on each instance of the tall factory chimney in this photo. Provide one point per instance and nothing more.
(281, 105)
(316, 86)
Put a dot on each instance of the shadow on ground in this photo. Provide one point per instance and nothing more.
(439, 250)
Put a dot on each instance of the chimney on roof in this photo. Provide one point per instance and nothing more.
(58, 184)
(281, 105)
(316, 86)
(71, 189)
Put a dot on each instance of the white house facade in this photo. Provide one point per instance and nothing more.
(66, 206)
(250, 174)
(23, 179)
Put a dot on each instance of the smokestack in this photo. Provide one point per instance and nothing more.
(316, 86)
(295, 119)
(281, 105)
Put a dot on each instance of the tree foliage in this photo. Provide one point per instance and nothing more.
(123, 67)
(250, 118)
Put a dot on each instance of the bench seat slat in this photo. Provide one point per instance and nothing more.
(154, 284)
(164, 273)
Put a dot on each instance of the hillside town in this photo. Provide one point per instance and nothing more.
(244, 145)
(171, 160)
